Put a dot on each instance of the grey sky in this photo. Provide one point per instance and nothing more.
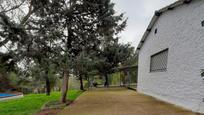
(139, 13)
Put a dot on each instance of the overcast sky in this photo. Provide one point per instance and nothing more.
(139, 13)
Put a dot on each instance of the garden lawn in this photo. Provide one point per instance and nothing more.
(32, 103)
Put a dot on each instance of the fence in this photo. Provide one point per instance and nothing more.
(122, 77)
(127, 76)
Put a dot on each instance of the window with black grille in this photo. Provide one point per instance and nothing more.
(158, 62)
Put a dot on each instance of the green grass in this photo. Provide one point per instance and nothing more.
(32, 103)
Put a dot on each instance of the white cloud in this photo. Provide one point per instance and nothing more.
(139, 13)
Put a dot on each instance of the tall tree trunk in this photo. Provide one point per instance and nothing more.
(106, 82)
(81, 82)
(65, 86)
(47, 82)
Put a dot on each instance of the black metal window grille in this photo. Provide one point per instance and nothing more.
(158, 62)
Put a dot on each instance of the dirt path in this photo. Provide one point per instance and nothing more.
(120, 102)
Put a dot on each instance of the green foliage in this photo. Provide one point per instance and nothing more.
(73, 83)
(115, 78)
(62, 36)
(132, 60)
(112, 56)
(13, 79)
(32, 103)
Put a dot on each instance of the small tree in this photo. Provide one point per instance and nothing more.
(83, 65)
(111, 56)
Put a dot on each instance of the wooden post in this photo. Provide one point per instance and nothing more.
(129, 78)
(120, 78)
(88, 82)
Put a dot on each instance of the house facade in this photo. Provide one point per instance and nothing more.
(171, 55)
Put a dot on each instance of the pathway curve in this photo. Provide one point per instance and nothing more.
(120, 101)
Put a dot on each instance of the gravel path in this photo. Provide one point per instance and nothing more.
(120, 101)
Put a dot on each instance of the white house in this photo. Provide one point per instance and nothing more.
(171, 55)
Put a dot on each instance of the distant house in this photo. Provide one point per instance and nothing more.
(171, 55)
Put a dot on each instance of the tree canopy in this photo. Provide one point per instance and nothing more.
(46, 38)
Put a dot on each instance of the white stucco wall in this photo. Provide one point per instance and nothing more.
(179, 30)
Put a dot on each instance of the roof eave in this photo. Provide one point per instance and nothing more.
(156, 17)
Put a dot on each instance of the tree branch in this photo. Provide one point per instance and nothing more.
(13, 8)
(30, 12)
